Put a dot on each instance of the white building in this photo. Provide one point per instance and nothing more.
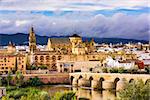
(78, 66)
(115, 63)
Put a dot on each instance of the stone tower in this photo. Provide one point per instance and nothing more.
(32, 40)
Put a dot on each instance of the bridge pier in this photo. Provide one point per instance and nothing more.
(121, 84)
(83, 82)
(95, 84)
(108, 85)
(75, 82)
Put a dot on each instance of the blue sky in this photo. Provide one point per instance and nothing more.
(91, 18)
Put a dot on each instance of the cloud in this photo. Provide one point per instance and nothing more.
(70, 5)
(86, 24)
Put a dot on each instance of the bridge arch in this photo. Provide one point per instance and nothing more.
(147, 81)
(101, 79)
(80, 77)
(71, 79)
(90, 79)
(115, 82)
(131, 80)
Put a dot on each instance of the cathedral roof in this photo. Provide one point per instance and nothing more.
(58, 41)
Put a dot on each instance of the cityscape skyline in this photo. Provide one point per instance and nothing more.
(97, 18)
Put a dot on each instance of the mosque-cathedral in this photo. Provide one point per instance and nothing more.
(58, 51)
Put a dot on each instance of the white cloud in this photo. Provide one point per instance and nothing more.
(80, 5)
(119, 25)
(21, 22)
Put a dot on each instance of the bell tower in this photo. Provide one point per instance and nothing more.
(32, 40)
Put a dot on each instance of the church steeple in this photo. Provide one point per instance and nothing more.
(32, 40)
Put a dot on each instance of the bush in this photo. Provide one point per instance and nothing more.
(113, 70)
(104, 70)
(34, 81)
(121, 70)
(147, 69)
(136, 90)
(133, 70)
(26, 94)
(42, 67)
(33, 68)
(9, 88)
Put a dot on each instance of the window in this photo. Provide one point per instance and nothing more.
(5, 59)
(53, 58)
(59, 57)
(42, 58)
(36, 57)
(19, 58)
(22, 66)
(47, 57)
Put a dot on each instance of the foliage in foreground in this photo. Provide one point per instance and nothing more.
(34, 81)
(68, 95)
(136, 90)
(26, 94)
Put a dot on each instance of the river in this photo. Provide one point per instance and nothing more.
(81, 92)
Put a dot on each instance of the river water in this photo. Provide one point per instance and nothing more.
(81, 92)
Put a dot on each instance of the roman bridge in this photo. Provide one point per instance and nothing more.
(105, 80)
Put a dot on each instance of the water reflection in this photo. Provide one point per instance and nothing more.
(81, 92)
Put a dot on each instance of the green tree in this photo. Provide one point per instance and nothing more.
(121, 70)
(19, 79)
(35, 93)
(26, 94)
(136, 90)
(147, 69)
(34, 81)
(42, 67)
(104, 69)
(8, 78)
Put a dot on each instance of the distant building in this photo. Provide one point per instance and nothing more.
(60, 45)
(77, 66)
(10, 49)
(12, 63)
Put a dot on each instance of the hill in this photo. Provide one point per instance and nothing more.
(22, 39)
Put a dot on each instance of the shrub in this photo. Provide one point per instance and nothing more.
(113, 70)
(121, 70)
(42, 67)
(34, 81)
(33, 68)
(9, 88)
(136, 90)
(133, 70)
(26, 94)
(147, 69)
(104, 70)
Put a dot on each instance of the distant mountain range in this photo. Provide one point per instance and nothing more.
(22, 39)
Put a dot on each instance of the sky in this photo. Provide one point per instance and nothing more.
(91, 18)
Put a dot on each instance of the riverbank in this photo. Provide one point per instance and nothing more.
(53, 78)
